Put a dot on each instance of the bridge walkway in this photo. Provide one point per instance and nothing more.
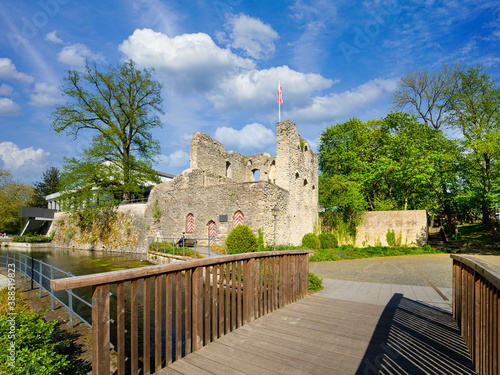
(348, 328)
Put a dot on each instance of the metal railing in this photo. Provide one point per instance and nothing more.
(204, 246)
(185, 305)
(476, 308)
(41, 273)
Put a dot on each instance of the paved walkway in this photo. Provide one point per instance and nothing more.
(3, 281)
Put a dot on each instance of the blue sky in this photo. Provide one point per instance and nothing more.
(220, 62)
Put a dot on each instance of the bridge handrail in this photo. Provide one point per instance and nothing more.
(217, 296)
(476, 308)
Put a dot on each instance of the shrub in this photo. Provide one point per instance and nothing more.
(39, 347)
(328, 241)
(241, 240)
(315, 282)
(323, 255)
(260, 241)
(311, 241)
(217, 249)
(32, 238)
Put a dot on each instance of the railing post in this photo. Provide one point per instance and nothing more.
(70, 303)
(197, 308)
(100, 330)
(248, 291)
(31, 273)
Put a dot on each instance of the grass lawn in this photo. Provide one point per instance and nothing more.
(350, 252)
(473, 233)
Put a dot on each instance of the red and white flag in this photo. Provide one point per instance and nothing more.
(280, 101)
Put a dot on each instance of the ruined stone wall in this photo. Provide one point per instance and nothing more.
(410, 228)
(254, 199)
(121, 232)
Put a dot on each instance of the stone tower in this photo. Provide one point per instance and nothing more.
(297, 172)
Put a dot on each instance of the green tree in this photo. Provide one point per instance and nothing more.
(119, 107)
(48, 185)
(474, 109)
(13, 195)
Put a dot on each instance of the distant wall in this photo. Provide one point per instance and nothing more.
(410, 228)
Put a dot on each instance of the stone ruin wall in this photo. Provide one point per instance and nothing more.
(222, 183)
(410, 228)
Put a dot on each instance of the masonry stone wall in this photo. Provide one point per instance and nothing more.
(410, 228)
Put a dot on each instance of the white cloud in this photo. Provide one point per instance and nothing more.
(256, 89)
(174, 161)
(193, 62)
(251, 35)
(52, 37)
(8, 107)
(75, 55)
(251, 137)
(25, 160)
(327, 108)
(6, 90)
(45, 95)
(8, 71)
(157, 14)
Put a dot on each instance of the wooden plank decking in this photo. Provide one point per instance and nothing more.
(319, 335)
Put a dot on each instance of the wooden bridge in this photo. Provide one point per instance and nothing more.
(216, 330)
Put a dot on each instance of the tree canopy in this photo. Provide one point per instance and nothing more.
(119, 107)
(48, 185)
(13, 195)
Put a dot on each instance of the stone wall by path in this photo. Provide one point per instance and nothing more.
(410, 228)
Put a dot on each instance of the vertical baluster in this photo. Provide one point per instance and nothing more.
(227, 314)
(215, 297)
(197, 307)
(233, 296)
(178, 316)
(187, 314)
(221, 300)
(168, 317)
(275, 283)
(147, 326)
(240, 294)
(248, 290)
(256, 289)
(208, 306)
(120, 321)
(158, 300)
(100, 330)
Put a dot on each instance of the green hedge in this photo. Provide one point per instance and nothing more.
(32, 239)
(328, 241)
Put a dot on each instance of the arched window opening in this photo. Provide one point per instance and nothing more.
(305, 181)
(314, 187)
(228, 169)
(256, 174)
(305, 148)
(190, 223)
(238, 218)
(297, 175)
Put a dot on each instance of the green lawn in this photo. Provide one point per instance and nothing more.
(350, 252)
(473, 233)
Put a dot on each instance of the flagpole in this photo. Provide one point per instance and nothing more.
(279, 101)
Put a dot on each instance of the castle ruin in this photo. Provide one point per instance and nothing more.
(222, 189)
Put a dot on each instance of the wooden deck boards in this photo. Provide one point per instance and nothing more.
(320, 335)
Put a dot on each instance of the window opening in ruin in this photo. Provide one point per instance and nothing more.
(249, 162)
(190, 223)
(212, 231)
(228, 166)
(314, 187)
(297, 175)
(238, 219)
(305, 148)
(256, 174)
(305, 181)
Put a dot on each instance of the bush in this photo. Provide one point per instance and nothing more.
(32, 238)
(311, 241)
(39, 347)
(260, 241)
(323, 255)
(241, 240)
(328, 241)
(315, 282)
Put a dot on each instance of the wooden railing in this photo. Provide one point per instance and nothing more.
(194, 303)
(476, 306)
